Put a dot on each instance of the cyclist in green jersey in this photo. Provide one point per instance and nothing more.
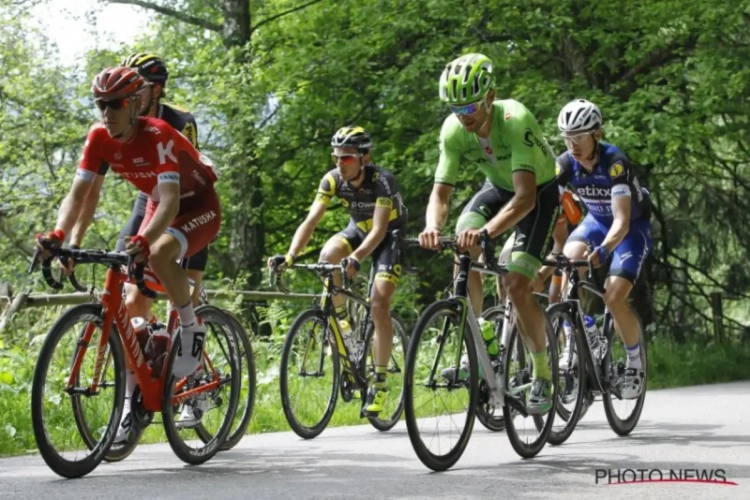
(504, 141)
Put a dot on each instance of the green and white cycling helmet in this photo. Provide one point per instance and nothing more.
(466, 79)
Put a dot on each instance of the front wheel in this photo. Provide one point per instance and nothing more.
(440, 388)
(309, 377)
(614, 363)
(572, 387)
(75, 453)
(527, 440)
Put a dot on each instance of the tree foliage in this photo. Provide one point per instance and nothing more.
(270, 81)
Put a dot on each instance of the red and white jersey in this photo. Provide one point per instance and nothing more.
(156, 154)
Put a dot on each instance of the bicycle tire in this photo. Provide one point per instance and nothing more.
(236, 435)
(523, 449)
(59, 465)
(243, 343)
(210, 315)
(571, 418)
(619, 426)
(398, 325)
(307, 432)
(435, 462)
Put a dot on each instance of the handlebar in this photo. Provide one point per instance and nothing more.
(111, 259)
(565, 264)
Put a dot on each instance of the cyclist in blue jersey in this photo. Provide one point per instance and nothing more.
(617, 225)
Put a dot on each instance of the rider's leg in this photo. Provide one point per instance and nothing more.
(627, 260)
(136, 304)
(533, 243)
(195, 266)
(335, 249)
(194, 228)
(382, 291)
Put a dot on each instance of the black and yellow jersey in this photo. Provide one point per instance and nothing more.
(179, 119)
(378, 189)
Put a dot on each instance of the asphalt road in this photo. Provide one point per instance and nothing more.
(705, 428)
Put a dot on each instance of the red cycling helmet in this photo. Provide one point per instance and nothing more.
(116, 83)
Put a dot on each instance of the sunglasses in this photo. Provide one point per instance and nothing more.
(467, 109)
(114, 104)
(349, 159)
(576, 139)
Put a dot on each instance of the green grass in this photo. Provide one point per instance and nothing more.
(671, 365)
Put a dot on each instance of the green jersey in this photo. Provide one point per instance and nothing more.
(515, 143)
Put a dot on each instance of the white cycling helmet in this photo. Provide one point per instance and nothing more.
(579, 116)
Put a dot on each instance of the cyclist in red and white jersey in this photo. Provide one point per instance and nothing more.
(183, 213)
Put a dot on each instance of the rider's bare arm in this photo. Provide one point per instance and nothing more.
(307, 228)
(621, 207)
(71, 206)
(376, 235)
(437, 209)
(88, 208)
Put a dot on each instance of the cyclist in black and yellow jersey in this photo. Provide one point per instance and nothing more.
(371, 195)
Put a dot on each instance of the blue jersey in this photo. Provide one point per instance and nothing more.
(612, 177)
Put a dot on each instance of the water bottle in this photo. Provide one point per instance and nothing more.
(346, 332)
(490, 340)
(143, 334)
(160, 345)
(592, 334)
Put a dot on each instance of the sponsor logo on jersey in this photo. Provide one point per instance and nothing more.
(530, 140)
(616, 170)
(199, 221)
(166, 152)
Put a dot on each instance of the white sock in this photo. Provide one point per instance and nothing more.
(187, 314)
(634, 357)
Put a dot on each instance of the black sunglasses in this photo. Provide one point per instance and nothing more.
(114, 104)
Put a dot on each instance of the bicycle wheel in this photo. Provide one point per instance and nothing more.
(248, 388)
(118, 451)
(308, 332)
(215, 385)
(394, 405)
(487, 414)
(430, 349)
(572, 385)
(47, 420)
(518, 378)
(246, 402)
(622, 426)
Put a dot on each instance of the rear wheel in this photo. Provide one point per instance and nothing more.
(394, 404)
(210, 394)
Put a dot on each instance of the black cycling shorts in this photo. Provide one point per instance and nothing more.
(533, 233)
(385, 256)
